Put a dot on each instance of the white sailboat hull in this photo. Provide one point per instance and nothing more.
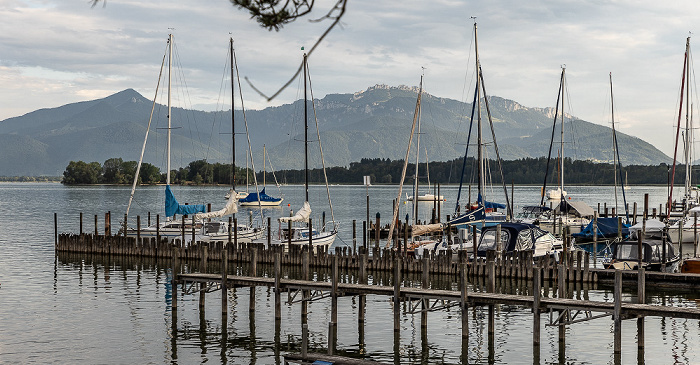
(427, 198)
(262, 203)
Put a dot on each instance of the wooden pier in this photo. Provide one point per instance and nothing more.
(433, 283)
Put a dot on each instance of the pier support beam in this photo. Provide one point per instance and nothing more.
(333, 324)
(641, 299)
(536, 296)
(253, 273)
(397, 294)
(617, 315)
(278, 274)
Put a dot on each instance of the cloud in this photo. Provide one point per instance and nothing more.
(56, 52)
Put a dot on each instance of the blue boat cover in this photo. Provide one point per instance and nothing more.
(172, 207)
(491, 205)
(253, 197)
(607, 227)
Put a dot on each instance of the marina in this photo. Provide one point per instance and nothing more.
(380, 274)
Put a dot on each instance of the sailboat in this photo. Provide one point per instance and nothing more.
(428, 196)
(687, 209)
(219, 230)
(572, 214)
(481, 212)
(201, 223)
(606, 229)
(171, 228)
(255, 199)
(294, 229)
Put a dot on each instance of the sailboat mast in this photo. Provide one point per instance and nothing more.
(680, 110)
(306, 136)
(415, 178)
(561, 160)
(480, 156)
(264, 167)
(688, 163)
(612, 115)
(170, 78)
(233, 123)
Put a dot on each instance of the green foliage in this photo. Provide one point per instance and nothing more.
(82, 173)
(529, 171)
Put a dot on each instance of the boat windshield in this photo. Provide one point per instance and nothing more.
(488, 240)
(627, 252)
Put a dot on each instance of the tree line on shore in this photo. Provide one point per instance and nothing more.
(527, 171)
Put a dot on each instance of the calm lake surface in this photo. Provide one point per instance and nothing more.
(96, 311)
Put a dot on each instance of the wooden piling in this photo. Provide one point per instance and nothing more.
(536, 296)
(55, 231)
(253, 273)
(333, 324)
(464, 303)
(641, 299)
(617, 314)
(278, 274)
(424, 301)
(397, 294)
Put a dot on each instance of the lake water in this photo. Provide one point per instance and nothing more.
(95, 311)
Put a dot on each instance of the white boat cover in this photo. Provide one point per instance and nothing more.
(578, 208)
(302, 215)
(421, 229)
(230, 208)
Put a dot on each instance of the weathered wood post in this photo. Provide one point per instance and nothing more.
(278, 273)
(305, 252)
(491, 288)
(97, 232)
(397, 295)
(138, 229)
(124, 226)
(174, 271)
(81, 223)
(253, 273)
(561, 284)
(311, 235)
(333, 324)
(289, 233)
(464, 303)
(424, 286)
(202, 292)
(617, 315)
(304, 339)
(634, 213)
(55, 231)
(269, 232)
(354, 236)
(158, 228)
(641, 299)
(108, 228)
(536, 296)
(364, 234)
(376, 231)
(232, 225)
(695, 234)
(363, 280)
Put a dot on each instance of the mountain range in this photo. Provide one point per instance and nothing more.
(374, 123)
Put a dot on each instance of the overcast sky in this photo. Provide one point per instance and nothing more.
(55, 52)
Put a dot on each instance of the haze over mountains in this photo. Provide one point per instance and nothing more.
(374, 123)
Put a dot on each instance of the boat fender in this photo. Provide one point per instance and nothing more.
(556, 256)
